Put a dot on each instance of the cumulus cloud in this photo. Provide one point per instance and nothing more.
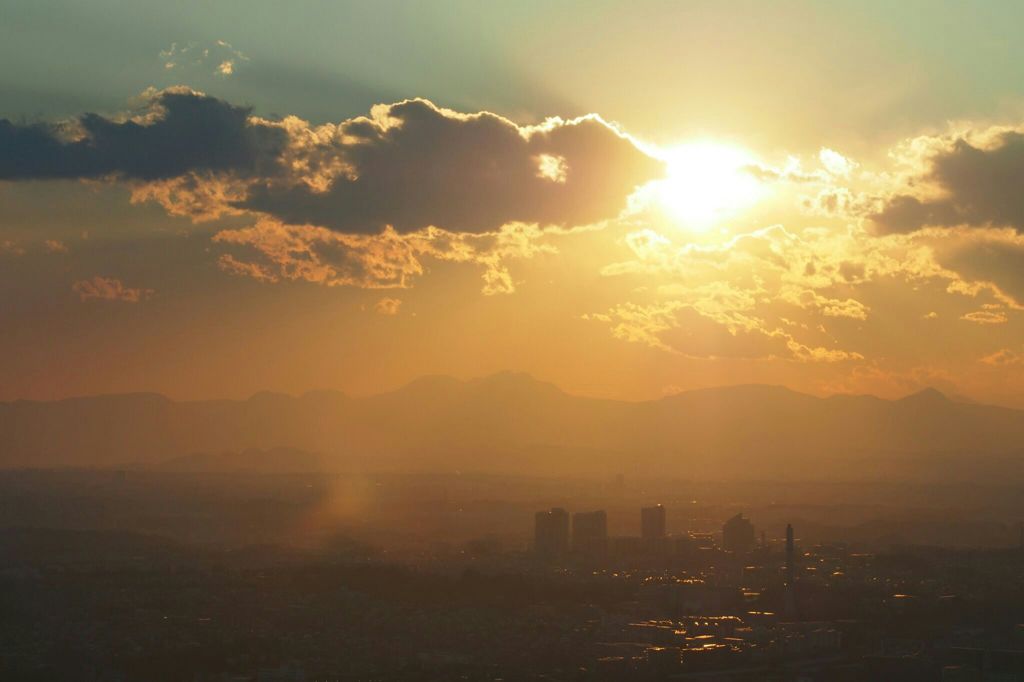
(388, 306)
(199, 196)
(359, 203)
(835, 163)
(270, 251)
(1004, 357)
(968, 178)
(830, 307)
(782, 293)
(55, 246)
(177, 132)
(985, 254)
(826, 261)
(412, 164)
(408, 165)
(218, 58)
(832, 164)
(109, 289)
(725, 300)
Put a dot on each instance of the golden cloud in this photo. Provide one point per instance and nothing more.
(109, 289)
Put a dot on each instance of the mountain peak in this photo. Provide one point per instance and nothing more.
(269, 396)
(928, 395)
(429, 382)
(509, 377)
(740, 392)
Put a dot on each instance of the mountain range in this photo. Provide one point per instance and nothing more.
(513, 423)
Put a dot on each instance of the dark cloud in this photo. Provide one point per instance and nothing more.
(182, 132)
(998, 261)
(409, 165)
(415, 165)
(981, 186)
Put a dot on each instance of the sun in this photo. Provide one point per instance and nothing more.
(706, 182)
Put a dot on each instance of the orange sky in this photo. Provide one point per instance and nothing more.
(715, 229)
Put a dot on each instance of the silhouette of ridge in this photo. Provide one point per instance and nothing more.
(513, 422)
(926, 395)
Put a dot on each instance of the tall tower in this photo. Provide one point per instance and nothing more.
(789, 608)
(790, 551)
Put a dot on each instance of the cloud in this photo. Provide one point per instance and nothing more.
(108, 289)
(369, 202)
(820, 270)
(412, 164)
(985, 254)
(388, 306)
(270, 251)
(985, 317)
(715, 320)
(830, 307)
(11, 248)
(640, 323)
(968, 178)
(835, 163)
(197, 196)
(828, 275)
(408, 165)
(696, 335)
(55, 246)
(218, 58)
(177, 132)
(1004, 357)
(838, 201)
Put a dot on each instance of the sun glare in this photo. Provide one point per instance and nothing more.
(707, 182)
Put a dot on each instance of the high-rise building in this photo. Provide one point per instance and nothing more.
(551, 533)
(652, 523)
(590, 533)
(789, 609)
(738, 534)
(790, 553)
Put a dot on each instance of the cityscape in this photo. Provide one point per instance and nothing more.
(453, 577)
(511, 341)
(729, 606)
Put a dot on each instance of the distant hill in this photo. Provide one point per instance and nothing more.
(512, 423)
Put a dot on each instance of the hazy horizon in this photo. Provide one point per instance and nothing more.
(501, 373)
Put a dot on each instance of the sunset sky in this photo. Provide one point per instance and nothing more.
(625, 199)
